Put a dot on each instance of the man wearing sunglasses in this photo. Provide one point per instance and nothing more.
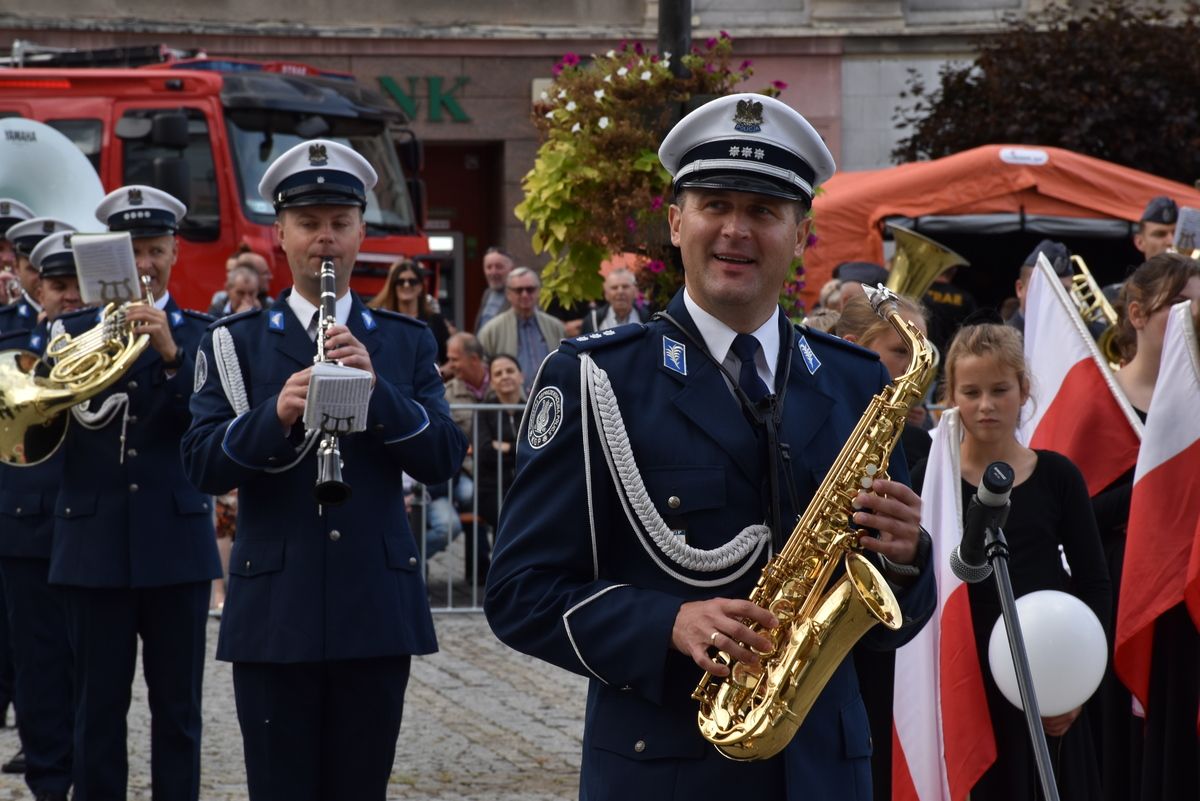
(524, 331)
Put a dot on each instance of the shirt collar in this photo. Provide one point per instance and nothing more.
(718, 337)
(304, 310)
(36, 306)
(162, 302)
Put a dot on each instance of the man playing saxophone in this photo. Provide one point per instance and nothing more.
(134, 551)
(327, 603)
(651, 457)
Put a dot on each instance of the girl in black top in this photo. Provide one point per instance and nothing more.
(987, 381)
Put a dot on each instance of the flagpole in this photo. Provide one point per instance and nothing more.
(996, 549)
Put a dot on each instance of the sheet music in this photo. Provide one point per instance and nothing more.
(337, 399)
(1187, 230)
(106, 266)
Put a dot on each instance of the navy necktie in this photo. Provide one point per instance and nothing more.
(746, 347)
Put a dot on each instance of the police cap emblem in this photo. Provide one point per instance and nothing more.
(317, 155)
(545, 417)
(748, 118)
(135, 197)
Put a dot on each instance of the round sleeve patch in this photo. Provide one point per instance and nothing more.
(201, 374)
(545, 417)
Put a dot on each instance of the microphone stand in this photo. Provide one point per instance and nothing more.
(996, 548)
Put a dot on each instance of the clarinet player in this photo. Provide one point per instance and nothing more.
(326, 604)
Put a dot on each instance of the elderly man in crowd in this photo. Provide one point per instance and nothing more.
(496, 266)
(242, 292)
(523, 331)
(621, 305)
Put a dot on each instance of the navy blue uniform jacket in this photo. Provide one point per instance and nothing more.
(136, 522)
(573, 584)
(20, 315)
(308, 585)
(27, 493)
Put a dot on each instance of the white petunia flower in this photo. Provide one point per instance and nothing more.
(575, 128)
(562, 93)
(645, 75)
(545, 96)
(599, 93)
(571, 106)
(608, 79)
(623, 71)
(603, 123)
(549, 115)
(611, 53)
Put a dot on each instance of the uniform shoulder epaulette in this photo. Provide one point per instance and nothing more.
(232, 318)
(199, 315)
(603, 339)
(815, 336)
(388, 314)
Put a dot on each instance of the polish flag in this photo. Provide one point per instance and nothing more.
(1076, 407)
(1162, 547)
(942, 733)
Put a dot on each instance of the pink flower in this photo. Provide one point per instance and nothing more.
(710, 67)
(637, 48)
(745, 65)
(724, 35)
(656, 266)
(656, 203)
(812, 241)
(570, 60)
(710, 43)
(631, 224)
(780, 85)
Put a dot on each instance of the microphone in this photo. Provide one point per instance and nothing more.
(987, 511)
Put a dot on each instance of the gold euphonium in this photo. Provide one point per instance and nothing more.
(918, 262)
(1094, 308)
(34, 397)
(756, 711)
(330, 490)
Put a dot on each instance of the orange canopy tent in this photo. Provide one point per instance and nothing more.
(990, 189)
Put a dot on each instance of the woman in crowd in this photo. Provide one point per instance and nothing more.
(404, 291)
(1147, 759)
(496, 433)
(987, 381)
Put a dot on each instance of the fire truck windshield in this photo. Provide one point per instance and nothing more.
(389, 209)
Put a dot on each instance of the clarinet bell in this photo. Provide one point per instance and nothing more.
(330, 490)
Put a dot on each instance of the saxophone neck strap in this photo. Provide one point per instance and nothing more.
(767, 414)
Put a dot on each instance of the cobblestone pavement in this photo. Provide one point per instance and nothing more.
(481, 722)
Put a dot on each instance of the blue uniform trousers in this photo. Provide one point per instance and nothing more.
(315, 731)
(104, 626)
(42, 662)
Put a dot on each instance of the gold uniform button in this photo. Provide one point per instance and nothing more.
(673, 501)
(639, 746)
(335, 535)
(133, 487)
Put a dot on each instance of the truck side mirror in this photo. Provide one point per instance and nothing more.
(416, 190)
(170, 129)
(171, 175)
(411, 152)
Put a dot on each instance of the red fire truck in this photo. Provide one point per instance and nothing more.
(205, 130)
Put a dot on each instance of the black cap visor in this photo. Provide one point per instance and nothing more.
(742, 182)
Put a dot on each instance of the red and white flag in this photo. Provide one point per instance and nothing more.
(1076, 407)
(942, 734)
(1162, 547)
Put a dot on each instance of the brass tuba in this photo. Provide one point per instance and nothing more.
(34, 396)
(756, 711)
(1094, 308)
(918, 262)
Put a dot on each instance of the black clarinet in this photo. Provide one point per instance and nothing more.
(330, 489)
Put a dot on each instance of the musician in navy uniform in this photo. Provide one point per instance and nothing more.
(326, 604)
(22, 312)
(649, 459)
(41, 650)
(134, 549)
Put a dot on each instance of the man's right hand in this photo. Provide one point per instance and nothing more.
(698, 621)
(289, 406)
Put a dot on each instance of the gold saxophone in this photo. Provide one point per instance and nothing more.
(756, 711)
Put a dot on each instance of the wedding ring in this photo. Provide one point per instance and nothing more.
(713, 637)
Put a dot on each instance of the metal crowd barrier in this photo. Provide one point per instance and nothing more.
(453, 540)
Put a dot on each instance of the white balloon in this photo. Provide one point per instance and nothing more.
(1066, 647)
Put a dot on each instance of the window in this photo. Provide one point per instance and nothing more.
(203, 219)
(86, 134)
